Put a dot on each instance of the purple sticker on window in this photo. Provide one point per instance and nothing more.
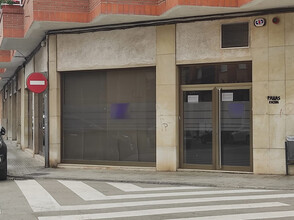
(236, 110)
(119, 110)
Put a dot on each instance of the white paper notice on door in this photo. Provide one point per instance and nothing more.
(228, 97)
(193, 98)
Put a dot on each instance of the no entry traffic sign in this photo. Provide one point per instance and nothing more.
(37, 82)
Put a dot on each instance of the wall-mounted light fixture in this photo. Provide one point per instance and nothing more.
(43, 43)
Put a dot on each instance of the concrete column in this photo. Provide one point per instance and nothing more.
(167, 156)
(4, 121)
(24, 113)
(18, 115)
(9, 102)
(14, 117)
(54, 105)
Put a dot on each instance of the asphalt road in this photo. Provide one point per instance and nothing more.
(35, 192)
(49, 199)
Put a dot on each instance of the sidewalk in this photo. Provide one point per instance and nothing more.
(21, 165)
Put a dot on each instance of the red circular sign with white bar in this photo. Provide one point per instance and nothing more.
(37, 82)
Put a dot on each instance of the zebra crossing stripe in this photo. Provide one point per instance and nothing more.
(247, 216)
(41, 201)
(129, 187)
(154, 195)
(88, 193)
(83, 190)
(163, 211)
(37, 196)
(172, 201)
(126, 187)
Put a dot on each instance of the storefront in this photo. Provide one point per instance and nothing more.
(166, 94)
(200, 108)
(216, 111)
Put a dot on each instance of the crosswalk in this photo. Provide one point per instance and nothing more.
(137, 201)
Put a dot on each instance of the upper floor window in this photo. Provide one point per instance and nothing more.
(235, 35)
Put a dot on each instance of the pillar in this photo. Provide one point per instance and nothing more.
(14, 117)
(54, 105)
(167, 116)
(24, 113)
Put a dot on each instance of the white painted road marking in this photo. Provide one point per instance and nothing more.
(90, 194)
(154, 195)
(44, 208)
(37, 196)
(129, 187)
(37, 82)
(163, 211)
(247, 216)
(41, 201)
(172, 201)
(83, 190)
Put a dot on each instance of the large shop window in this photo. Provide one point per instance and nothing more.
(109, 116)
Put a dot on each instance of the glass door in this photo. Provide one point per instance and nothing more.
(234, 127)
(216, 128)
(198, 128)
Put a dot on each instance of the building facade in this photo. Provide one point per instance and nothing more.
(163, 84)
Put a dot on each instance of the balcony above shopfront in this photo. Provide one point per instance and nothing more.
(23, 25)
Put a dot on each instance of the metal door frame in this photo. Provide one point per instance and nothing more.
(215, 88)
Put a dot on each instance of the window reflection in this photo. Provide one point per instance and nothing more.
(198, 127)
(109, 115)
(235, 128)
(240, 72)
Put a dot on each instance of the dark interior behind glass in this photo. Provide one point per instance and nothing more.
(240, 72)
(109, 115)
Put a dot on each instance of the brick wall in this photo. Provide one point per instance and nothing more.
(6, 56)
(17, 20)
(13, 21)
(243, 2)
(93, 4)
(132, 2)
(56, 10)
(62, 6)
(28, 15)
(64, 11)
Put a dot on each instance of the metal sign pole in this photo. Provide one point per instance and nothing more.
(46, 128)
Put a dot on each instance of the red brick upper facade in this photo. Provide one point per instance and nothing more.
(17, 20)
(6, 56)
